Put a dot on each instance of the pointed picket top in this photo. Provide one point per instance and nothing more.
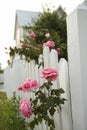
(64, 84)
(53, 58)
(46, 56)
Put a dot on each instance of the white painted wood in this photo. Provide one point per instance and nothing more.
(37, 73)
(53, 59)
(29, 71)
(64, 84)
(54, 64)
(46, 55)
(41, 80)
(32, 62)
(77, 51)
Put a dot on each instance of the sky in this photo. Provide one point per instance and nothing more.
(7, 18)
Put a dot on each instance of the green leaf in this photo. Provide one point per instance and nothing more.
(52, 111)
(51, 128)
(51, 123)
(32, 124)
(36, 120)
(34, 102)
(57, 92)
(40, 119)
(61, 90)
(50, 83)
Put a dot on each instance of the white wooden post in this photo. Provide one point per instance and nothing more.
(77, 52)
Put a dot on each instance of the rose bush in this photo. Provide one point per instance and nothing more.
(29, 48)
(46, 101)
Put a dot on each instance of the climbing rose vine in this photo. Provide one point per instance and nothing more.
(29, 49)
(45, 102)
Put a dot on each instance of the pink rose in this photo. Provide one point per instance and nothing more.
(34, 84)
(20, 88)
(29, 85)
(49, 74)
(47, 35)
(26, 86)
(50, 44)
(25, 108)
(32, 35)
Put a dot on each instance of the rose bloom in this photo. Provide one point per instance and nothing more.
(47, 35)
(33, 84)
(26, 86)
(32, 35)
(49, 74)
(29, 85)
(50, 44)
(20, 88)
(25, 108)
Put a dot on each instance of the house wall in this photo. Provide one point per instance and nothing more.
(17, 33)
(21, 33)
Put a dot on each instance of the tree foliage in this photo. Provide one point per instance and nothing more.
(54, 23)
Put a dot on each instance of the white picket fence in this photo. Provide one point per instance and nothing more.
(21, 70)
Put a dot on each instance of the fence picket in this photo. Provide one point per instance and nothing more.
(46, 57)
(64, 83)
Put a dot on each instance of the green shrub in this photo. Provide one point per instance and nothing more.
(10, 118)
(3, 95)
